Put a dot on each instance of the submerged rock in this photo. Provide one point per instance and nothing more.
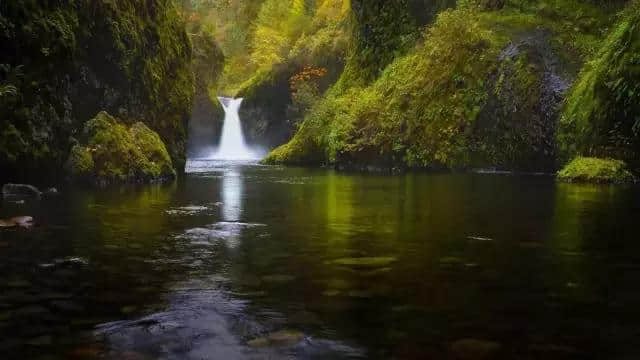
(20, 190)
(280, 338)
(475, 349)
(364, 261)
(44, 340)
(21, 221)
(278, 279)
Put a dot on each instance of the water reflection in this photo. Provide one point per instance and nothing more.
(232, 193)
(400, 267)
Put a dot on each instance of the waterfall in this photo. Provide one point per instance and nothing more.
(232, 144)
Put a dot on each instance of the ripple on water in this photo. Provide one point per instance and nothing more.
(187, 210)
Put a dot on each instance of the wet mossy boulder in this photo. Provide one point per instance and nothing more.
(602, 113)
(112, 152)
(594, 170)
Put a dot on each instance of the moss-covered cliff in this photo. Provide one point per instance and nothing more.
(602, 113)
(482, 87)
(207, 116)
(64, 61)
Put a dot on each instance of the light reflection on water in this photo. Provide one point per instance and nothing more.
(232, 196)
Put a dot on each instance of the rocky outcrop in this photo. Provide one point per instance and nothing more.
(515, 129)
(63, 62)
(207, 116)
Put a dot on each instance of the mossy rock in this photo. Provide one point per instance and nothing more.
(114, 153)
(594, 170)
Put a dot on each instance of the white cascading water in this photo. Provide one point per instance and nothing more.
(232, 144)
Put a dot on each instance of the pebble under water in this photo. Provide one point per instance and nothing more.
(242, 261)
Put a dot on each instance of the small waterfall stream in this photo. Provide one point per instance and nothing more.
(232, 144)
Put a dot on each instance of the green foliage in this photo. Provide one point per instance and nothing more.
(288, 32)
(458, 99)
(418, 111)
(595, 170)
(602, 113)
(111, 152)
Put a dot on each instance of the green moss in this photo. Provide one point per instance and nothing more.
(602, 112)
(111, 152)
(594, 170)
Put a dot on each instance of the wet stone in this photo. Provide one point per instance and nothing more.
(10, 343)
(278, 339)
(278, 279)
(127, 310)
(30, 311)
(54, 296)
(67, 306)
(45, 340)
(19, 283)
(86, 352)
(339, 284)
(304, 318)
(475, 349)
(361, 294)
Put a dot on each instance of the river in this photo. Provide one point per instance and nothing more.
(242, 261)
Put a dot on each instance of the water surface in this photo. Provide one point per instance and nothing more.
(335, 265)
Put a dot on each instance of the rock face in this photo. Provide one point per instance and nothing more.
(207, 116)
(516, 127)
(61, 62)
(264, 110)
